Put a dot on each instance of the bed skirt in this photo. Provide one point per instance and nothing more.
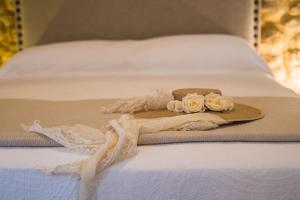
(280, 124)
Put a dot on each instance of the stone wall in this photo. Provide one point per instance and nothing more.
(8, 36)
(280, 39)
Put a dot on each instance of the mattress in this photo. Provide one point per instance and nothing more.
(176, 171)
(122, 69)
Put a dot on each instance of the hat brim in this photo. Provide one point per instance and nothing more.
(240, 113)
(180, 93)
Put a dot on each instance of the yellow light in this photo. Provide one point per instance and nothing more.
(280, 44)
(8, 39)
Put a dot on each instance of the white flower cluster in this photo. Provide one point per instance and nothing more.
(194, 102)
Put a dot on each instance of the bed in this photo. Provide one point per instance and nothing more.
(64, 71)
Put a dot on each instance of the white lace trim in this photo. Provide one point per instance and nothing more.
(79, 137)
(155, 102)
(117, 143)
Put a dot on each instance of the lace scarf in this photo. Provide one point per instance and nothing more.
(119, 140)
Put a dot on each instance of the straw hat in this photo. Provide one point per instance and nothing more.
(239, 113)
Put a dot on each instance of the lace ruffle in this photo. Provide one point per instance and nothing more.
(118, 142)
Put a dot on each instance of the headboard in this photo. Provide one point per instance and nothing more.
(48, 21)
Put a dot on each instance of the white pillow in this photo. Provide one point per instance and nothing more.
(186, 54)
(194, 54)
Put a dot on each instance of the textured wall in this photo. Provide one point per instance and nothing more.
(8, 36)
(280, 45)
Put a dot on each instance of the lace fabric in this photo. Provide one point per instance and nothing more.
(118, 142)
(79, 137)
(154, 102)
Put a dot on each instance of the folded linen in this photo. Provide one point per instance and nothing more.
(280, 124)
(121, 136)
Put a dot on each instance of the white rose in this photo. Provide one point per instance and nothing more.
(216, 102)
(193, 103)
(171, 106)
(178, 106)
(175, 106)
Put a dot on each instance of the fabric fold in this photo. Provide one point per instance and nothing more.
(121, 137)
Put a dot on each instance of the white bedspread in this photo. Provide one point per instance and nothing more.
(178, 171)
(231, 84)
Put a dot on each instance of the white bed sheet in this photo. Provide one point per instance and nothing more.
(72, 88)
(177, 171)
